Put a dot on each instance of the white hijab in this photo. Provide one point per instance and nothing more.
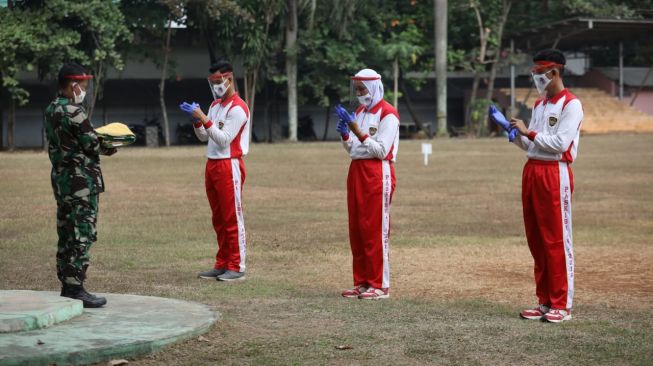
(374, 87)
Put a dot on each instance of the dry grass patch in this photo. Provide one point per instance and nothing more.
(460, 265)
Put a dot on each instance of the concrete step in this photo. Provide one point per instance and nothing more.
(128, 326)
(22, 310)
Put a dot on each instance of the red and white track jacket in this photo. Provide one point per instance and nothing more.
(555, 128)
(227, 130)
(380, 124)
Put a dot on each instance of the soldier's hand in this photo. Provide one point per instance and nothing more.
(111, 151)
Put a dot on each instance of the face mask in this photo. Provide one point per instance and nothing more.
(220, 89)
(541, 82)
(365, 99)
(79, 98)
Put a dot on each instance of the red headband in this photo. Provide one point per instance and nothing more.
(79, 77)
(365, 78)
(543, 65)
(220, 75)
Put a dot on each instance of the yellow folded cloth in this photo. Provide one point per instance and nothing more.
(115, 134)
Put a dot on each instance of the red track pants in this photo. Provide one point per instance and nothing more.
(224, 179)
(370, 185)
(546, 198)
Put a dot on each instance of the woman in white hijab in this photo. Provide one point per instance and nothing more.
(371, 137)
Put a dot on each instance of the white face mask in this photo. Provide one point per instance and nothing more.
(541, 82)
(79, 98)
(365, 99)
(220, 89)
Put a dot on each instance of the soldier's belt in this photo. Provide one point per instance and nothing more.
(115, 134)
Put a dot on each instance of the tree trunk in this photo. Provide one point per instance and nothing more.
(395, 74)
(326, 123)
(10, 124)
(440, 14)
(2, 126)
(251, 78)
(497, 56)
(98, 81)
(419, 124)
(472, 100)
(162, 84)
(291, 68)
(311, 17)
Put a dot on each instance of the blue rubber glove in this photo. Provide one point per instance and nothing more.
(512, 134)
(189, 108)
(343, 129)
(344, 115)
(497, 117)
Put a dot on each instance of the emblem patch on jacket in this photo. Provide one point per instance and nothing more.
(372, 131)
(552, 121)
(220, 125)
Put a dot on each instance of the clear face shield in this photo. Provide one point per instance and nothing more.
(359, 93)
(219, 83)
(82, 88)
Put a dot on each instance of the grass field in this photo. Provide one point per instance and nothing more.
(460, 267)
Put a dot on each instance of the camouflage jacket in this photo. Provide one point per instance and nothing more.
(74, 151)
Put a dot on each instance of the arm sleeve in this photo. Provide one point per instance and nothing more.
(200, 132)
(236, 119)
(347, 143)
(381, 145)
(83, 130)
(570, 120)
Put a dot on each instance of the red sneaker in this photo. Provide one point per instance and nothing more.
(536, 313)
(375, 294)
(557, 315)
(354, 292)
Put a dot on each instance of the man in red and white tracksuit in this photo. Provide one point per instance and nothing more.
(551, 141)
(226, 128)
(372, 146)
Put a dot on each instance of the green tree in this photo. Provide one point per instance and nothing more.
(151, 21)
(41, 35)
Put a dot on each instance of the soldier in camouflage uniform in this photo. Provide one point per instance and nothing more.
(74, 151)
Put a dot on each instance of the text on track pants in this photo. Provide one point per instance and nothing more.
(224, 179)
(370, 185)
(547, 187)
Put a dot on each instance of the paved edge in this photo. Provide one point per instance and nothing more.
(104, 354)
(26, 320)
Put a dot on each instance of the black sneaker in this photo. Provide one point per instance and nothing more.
(211, 274)
(78, 292)
(231, 276)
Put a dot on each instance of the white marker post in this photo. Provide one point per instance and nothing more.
(426, 150)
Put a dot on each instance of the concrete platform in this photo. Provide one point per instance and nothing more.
(129, 326)
(22, 310)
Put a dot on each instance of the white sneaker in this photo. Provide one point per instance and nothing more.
(557, 316)
(375, 294)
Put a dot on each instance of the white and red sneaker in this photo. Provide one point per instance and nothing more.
(536, 313)
(375, 294)
(354, 292)
(557, 315)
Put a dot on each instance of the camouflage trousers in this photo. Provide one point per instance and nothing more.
(76, 227)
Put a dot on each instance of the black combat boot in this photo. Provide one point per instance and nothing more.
(79, 293)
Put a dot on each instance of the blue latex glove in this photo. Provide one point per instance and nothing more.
(343, 129)
(344, 115)
(497, 117)
(189, 108)
(512, 134)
